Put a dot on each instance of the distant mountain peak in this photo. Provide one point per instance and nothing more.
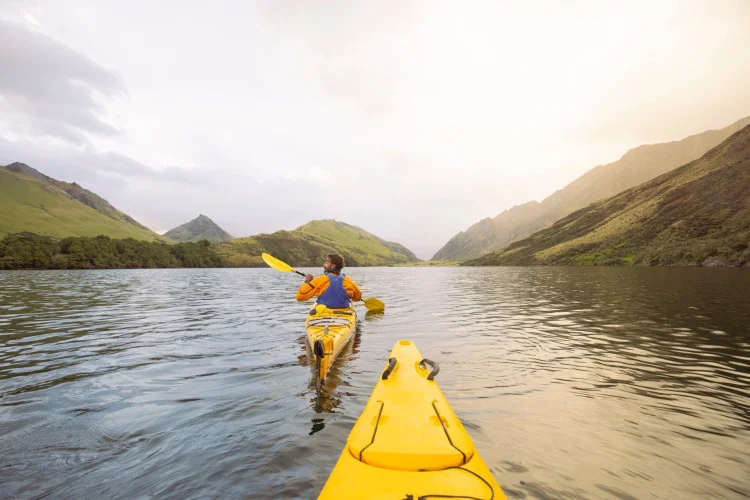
(22, 168)
(200, 228)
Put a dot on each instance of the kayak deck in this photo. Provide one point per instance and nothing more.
(328, 331)
(408, 442)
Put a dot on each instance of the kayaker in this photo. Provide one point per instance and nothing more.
(332, 288)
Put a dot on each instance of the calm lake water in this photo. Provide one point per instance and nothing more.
(573, 382)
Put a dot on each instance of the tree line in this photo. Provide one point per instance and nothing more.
(32, 251)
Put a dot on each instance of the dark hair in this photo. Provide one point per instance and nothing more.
(337, 260)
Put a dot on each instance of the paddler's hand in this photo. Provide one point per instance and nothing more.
(308, 278)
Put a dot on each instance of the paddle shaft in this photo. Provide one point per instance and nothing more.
(274, 263)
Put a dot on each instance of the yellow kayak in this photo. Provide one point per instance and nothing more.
(328, 331)
(408, 443)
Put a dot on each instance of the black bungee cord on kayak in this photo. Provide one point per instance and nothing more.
(391, 365)
(439, 495)
(374, 432)
(435, 368)
(422, 365)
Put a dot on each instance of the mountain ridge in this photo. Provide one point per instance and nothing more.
(35, 204)
(695, 215)
(31, 201)
(308, 245)
(637, 165)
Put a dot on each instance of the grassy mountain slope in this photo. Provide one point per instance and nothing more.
(356, 240)
(309, 244)
(33, 202)
(698, 214)
(75, 191)
(200, 228)
(635, 167)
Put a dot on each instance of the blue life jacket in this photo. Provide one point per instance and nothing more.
(335, 297)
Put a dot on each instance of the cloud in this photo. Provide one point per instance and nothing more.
(356, 52)
(85, 164)
(49, 90)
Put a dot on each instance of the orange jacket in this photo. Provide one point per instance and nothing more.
(318, 285)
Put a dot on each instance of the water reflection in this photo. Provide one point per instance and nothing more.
(374, 315)
(318, 425)
(329, 396)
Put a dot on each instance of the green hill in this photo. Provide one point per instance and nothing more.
(635, 167)
(309, 244)
(33, 202)
(200, 228)
(695, 215)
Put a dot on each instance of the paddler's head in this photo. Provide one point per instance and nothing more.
(334, 263)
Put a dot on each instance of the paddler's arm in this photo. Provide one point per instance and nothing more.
(351, 289)
(308, 290)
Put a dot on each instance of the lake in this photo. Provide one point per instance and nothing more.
(574, 383)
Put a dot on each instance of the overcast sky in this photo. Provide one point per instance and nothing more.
(412, 120)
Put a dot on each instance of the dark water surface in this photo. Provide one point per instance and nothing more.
(573, 382)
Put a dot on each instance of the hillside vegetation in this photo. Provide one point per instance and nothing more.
(31, 251)
(696, 215)
(33, 202)
(309, 244)
(635, 167)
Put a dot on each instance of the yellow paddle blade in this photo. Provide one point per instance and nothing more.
(277, 264)
(373, 304)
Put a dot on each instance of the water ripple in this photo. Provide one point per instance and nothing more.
(574, 383)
